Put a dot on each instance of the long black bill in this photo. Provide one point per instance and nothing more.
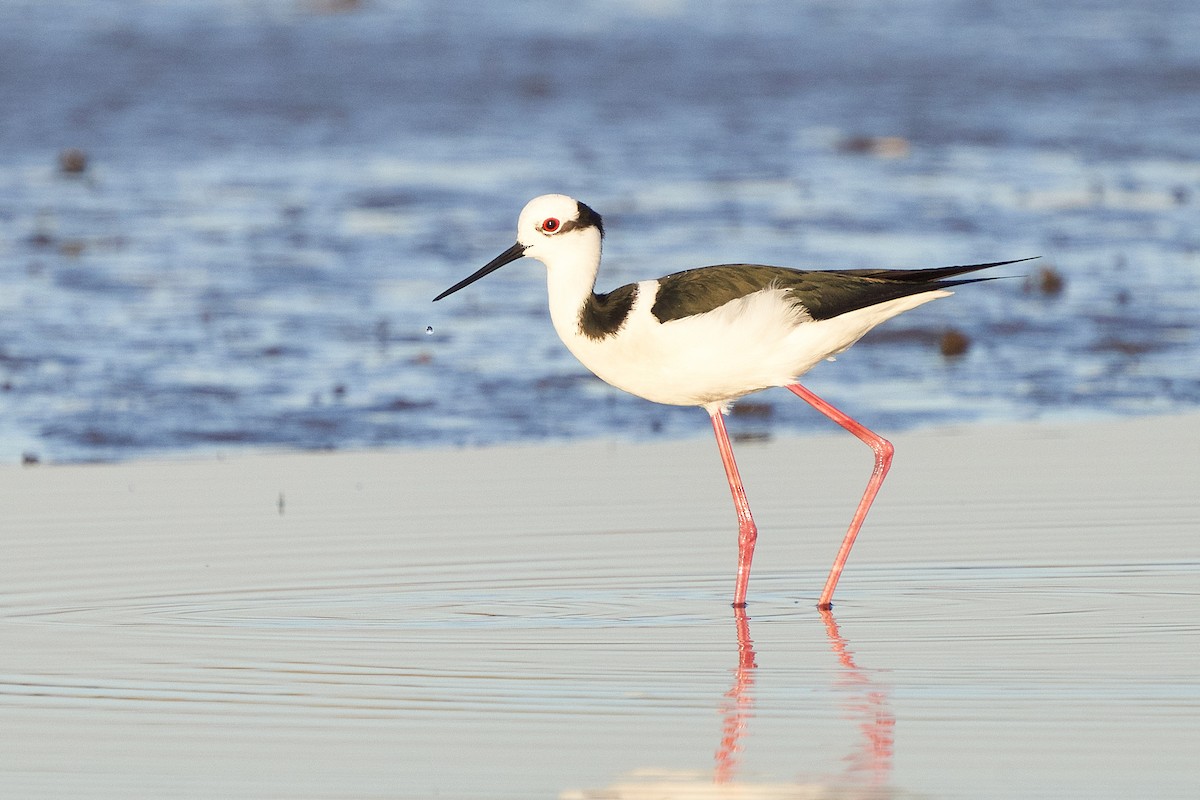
(508, 256)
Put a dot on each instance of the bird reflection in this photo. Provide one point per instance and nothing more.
(868, 766)
(866, 703)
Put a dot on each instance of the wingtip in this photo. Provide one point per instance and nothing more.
(997, 263)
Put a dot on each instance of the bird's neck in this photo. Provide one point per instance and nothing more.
(570, 283)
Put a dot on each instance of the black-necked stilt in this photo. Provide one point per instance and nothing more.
(705, 337)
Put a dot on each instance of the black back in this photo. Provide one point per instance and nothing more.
(823, 293)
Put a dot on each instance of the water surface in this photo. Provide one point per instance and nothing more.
(275, 191)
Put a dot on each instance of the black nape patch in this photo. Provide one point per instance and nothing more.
(588, 219)
(603, 315)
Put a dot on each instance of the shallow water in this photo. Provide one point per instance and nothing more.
(984, 682)
(351, 690)
(275, 192)
(487, 624)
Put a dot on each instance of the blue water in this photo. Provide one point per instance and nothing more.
(274, 191)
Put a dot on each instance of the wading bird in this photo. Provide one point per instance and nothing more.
(708, 336)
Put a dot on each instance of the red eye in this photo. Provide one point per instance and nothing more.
(550, 225)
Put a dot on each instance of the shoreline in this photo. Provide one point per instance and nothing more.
(741, 439)
(802, 491)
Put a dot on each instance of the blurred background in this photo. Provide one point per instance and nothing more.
(222, 221)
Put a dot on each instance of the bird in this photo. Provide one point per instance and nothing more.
(711, 335)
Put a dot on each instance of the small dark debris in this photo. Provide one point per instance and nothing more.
(72, 248)
(752, 436)
(751, 409)
(1050, 281)
(403, 404)
(1125, 347)
(1047, 281)
(954, 343)
(72, 161)
(881, 146)
(29, 459)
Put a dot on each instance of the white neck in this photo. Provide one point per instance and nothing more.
(570, 280)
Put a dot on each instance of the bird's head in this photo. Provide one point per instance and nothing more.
(552, 228)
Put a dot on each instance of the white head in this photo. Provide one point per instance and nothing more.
(552, 228)
(554, 224)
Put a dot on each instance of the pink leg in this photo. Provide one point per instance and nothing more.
(883, 460)
(747, 533)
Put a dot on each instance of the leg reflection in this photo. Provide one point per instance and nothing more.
(869, 762)
(738, 702)
(869, 705)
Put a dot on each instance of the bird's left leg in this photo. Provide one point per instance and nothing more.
(883, 461)
(747, 532)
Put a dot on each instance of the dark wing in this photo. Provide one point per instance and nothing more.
(823, 293)
(696, 291)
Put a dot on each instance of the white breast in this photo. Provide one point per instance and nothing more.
(752, 343)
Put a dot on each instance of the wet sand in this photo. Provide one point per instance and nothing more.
(1020, 618)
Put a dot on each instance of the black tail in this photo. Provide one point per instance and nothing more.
(835, 292)
(929, 275)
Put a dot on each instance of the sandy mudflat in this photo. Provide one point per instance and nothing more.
(1021, 618)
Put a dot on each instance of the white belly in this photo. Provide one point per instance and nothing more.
(753, 343)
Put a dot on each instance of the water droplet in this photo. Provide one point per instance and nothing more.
(428, 330)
